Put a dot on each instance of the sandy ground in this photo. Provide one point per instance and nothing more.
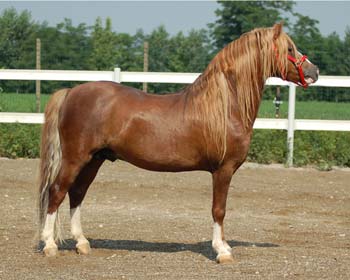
(282, 223)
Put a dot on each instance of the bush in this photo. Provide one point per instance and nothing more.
(19, 140)
(323, 149)
(268, 146)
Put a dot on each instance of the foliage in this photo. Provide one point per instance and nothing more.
(103, 42)
(238, 17)
(324, 149)
(19, 140)
(268, 146)
(16, 47)
(17, 30)
(346, 49)
(177, 54)
(317, 148)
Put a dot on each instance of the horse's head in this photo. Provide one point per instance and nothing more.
(290, 64)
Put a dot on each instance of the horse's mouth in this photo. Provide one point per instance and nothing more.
(309, 80)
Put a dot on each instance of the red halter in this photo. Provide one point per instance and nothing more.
(297, 63)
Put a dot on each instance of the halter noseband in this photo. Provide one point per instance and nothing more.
(297, 63)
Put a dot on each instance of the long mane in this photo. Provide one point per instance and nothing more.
(233, 83)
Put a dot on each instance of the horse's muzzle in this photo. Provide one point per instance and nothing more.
(311, 74)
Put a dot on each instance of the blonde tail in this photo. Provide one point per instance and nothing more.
(50, 158)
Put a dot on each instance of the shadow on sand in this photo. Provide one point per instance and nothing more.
(204, 248)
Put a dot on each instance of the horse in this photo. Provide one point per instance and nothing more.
(206, 126)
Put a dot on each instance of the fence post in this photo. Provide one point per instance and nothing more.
(117, 75)
(291, 118)
(145, 62)
(38, 83)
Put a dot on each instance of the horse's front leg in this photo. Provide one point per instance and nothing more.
(221, 182)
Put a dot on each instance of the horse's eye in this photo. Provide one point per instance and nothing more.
(290, 49)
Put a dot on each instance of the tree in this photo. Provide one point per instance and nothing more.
(190, 53)
(129, 52)
(307, 36)
(111, 49)
(65, 47)
(346, 51)
(17, 33)
(179, 53)
(17, 42)
(238, 17)
(159, 50)
(103, 46)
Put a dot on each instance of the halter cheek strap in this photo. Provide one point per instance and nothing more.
(297, 63)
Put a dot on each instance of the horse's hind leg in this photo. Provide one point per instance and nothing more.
(57, 193)
(76, 195)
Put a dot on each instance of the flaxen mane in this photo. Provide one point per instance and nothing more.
(234, 80)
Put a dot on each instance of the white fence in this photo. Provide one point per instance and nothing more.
(290, 124)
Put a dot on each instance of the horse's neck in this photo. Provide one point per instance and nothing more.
(245, 107)
(241, 106)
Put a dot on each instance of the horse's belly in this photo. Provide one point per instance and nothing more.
(160, 157)
(161, 162)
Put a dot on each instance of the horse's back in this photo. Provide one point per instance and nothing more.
(104, 94)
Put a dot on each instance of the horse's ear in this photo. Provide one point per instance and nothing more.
(277, 30)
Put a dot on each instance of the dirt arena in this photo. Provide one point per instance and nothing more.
(281, 223)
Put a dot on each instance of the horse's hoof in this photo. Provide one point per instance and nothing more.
(225, 259)
(50, 251)
(83, 249)
(227, 247)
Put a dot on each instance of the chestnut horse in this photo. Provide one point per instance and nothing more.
(206, 126)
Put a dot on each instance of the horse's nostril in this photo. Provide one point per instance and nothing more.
(312, 72)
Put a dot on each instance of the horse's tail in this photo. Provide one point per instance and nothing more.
(50, 158)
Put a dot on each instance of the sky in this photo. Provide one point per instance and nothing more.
(176, 16)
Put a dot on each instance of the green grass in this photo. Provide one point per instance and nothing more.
(308, 110)
(12, 102)
(18, 102)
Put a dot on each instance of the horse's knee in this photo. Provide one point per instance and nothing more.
(218, 214)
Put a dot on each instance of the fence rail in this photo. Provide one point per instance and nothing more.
(147, 77)
(290, 124)
(261, 123)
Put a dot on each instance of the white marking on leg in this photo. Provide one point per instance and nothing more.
(218, 244)
(76, 229)
(48, 231)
